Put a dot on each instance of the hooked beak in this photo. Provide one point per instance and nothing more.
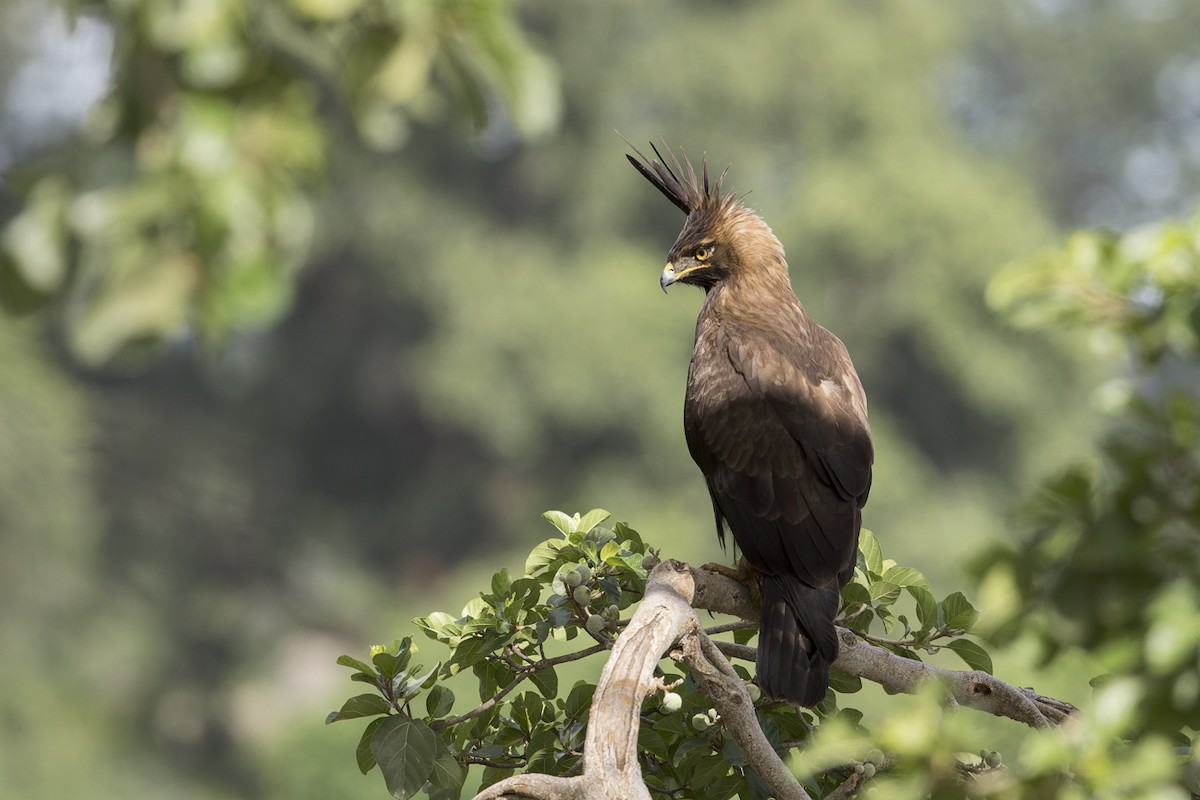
(669, 275)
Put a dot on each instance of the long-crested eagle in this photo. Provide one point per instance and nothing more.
(776, 418)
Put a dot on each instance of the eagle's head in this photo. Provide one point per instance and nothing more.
(722, 239)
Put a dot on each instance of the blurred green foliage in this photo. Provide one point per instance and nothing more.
(288, 381)
(1110, 562)
(192, 207)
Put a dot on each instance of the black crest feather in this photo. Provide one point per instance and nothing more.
(677, 181)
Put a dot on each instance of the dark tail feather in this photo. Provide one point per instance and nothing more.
(796, 639)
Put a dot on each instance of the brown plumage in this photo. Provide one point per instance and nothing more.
(776, 419)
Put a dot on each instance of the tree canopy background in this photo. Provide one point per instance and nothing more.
(313, 306)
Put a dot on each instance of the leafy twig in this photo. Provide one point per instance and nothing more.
(515, 682)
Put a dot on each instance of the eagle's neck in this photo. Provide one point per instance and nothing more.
(754, 295)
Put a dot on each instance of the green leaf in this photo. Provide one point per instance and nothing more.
(558, 519)
(542, 556)
(366, 760)
(558, 583)
(447, 772)
(855, 594)
(527, 711)
(478, 728)
(354, 663)
(363, 705)
(674, 725)
(744, 635)
(974, 655)
(541, 754)
(470, 651)
(651, 741)
(438, 625)
(579, 700)
(493, 676)
(490, 751)
(905, 576)
(392, 664)
(546, 681)
(510, 734)
(600, 536)
(903, 651)
(405, 750)
(501, 583)
(628, 534)
(477, 608)
(486, 622)
(407, 686)
(710, 769)
(494, 775)
(724, 788)
(868, 546)
(592, 518)
(610, 553)
(525, 593)
(926, 606)
(843, 682)
(689, 753)
(958, 613)
(884, 592)
(439, 701)
(733, 754)
(541, 760)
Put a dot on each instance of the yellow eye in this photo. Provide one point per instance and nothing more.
(702, 253)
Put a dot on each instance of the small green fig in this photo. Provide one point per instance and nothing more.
(585, 572)
(582, 595)
(993, 759)
(595, 624)
(648, 561)
(868, 770)
(754, 692)
(572, 578)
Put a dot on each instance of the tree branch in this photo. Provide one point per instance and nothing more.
(666, 617)
(536, 786)
(894, 673)
(973, 688)
(610, 758)
(733, 703)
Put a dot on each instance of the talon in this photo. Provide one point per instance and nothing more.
(743, 573)
(726, 570)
